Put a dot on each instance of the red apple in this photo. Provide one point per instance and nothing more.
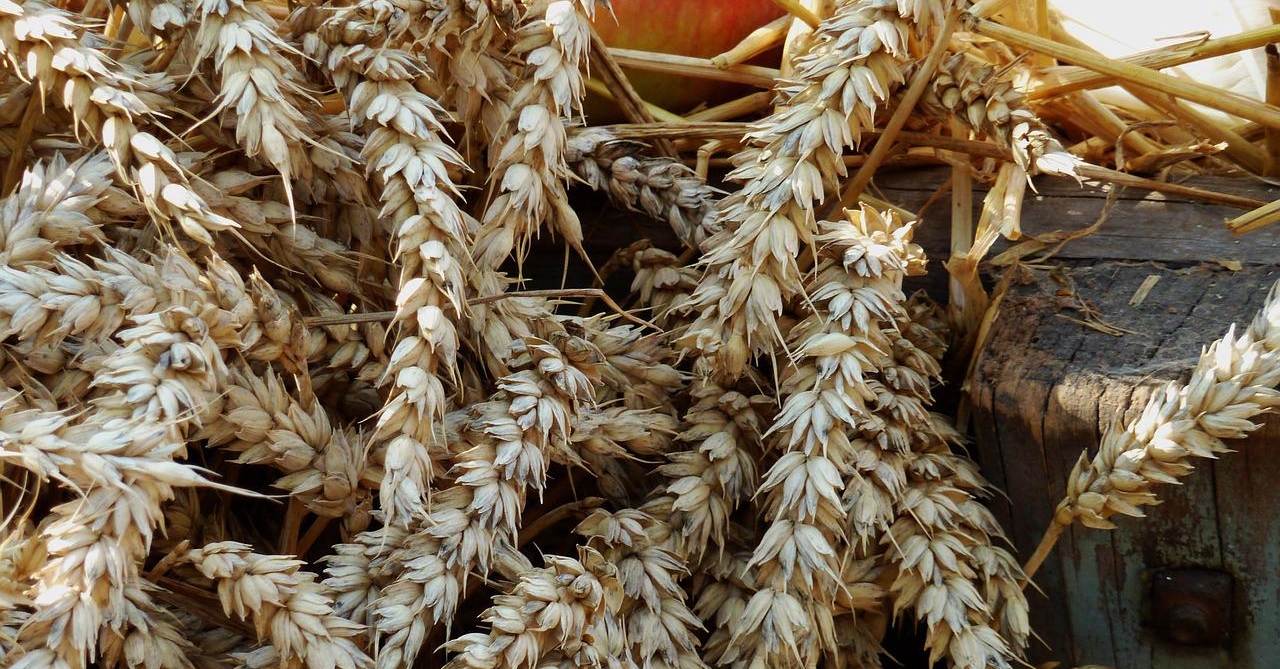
(701, 28)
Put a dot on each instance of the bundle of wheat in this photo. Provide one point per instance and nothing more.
(273, 295)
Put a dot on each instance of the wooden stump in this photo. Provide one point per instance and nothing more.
(1044, 388)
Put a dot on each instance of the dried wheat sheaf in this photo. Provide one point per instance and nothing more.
(292, 377)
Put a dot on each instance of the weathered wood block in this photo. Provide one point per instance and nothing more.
(1043, 390)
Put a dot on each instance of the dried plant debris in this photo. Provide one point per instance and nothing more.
(299, 368)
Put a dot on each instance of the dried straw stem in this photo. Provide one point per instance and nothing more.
(1191, 91)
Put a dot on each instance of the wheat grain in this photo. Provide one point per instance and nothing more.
(89, 580)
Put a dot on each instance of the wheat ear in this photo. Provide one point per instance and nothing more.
(857, 58)
(20, 556)
(289, 609)
(324, 466)
(987, 102)
(1232, 384)
(550, 611)
(951, 569)
(406, 152)
(53, 207)
(529, 171)
(258, 81)
(270, 227)
(52, 51)
(830, 396)
(636, 365)
(654, 625)
(503, 449)
(716, 473)
(662, 188)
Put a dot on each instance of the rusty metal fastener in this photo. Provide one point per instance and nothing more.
(1191, 606)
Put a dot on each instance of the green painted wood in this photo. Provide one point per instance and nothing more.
(1248, 486)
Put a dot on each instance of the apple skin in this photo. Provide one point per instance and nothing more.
(700, 28)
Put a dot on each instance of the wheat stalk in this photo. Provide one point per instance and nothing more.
(289, 609)
(44, 45)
